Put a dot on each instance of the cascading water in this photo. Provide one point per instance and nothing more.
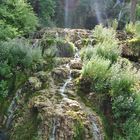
(98, 12)
(12, 108)
(52, 137)
(62, 89)
(66, 13)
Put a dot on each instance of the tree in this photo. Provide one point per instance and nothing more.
(133, 11)
(45, 10)
(16, 18)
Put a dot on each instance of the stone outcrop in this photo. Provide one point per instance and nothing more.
(45, 113)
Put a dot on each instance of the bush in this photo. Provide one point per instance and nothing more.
(17, 18)
(102, 34)
(87, 53)
(133, 28)
(20, 54)
(16, 55)
(3, 89)
(97, 70)
(123, 79)
(108, 50)
(132, 129)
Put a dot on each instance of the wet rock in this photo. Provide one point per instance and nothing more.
(60, 74)
(70, 104)
(76, 65)
(76, 73)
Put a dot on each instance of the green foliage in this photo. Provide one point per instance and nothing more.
(17, 18)
(132, 129)
(114, 77)
(102, 34)
(108, 50)
(3, 89)
(106, 45)
(98, 70)
(16, 56)
(45, 10)
(133, 28)
(114, 24)
(7, 31)
(130, 28)
(87, 53)
(123, 79)
(20, 54)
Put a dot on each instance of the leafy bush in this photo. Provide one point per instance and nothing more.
(87, 53)
(132, 129)
(16, 55)
(97, 70)
(108, 50)
(119, 81)
(123, 79)
(102, 34)
(3, 89)
(133, 28)
(19, 54)
(17, 18)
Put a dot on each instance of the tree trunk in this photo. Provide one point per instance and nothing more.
(133, 11)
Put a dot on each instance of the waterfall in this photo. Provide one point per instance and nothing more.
(96, 129)
(98, 12)
(12, 108)
(62, 89)
(52, 137)
(76, 58)
(66, 13)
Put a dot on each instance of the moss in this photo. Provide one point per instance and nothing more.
(78, 128)
(65, 48)
(28, 129)
(79, 131)
(107, 128)
(135, 42)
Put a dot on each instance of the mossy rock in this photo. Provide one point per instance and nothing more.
(65, 48)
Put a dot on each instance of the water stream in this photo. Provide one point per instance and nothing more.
(52, 137)
(96, 131)
(66, 13)
(63, 88)
(12, 108)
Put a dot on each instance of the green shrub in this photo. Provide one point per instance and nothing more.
(123, 79)
(97, 70)
(130, 28)
(3, 89)
(87, 53)
(102, 34)
(133, 28)
(16, 55)
(17, 18)
(132, 129)
(21, 54)
(113, 24)
(108, 50)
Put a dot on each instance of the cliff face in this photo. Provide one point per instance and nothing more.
(55, 103)
(47, 106)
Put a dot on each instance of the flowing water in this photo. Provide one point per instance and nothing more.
(96, 130)
(12, 108)
(76, 58)
(52, 137)
(66, 13)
